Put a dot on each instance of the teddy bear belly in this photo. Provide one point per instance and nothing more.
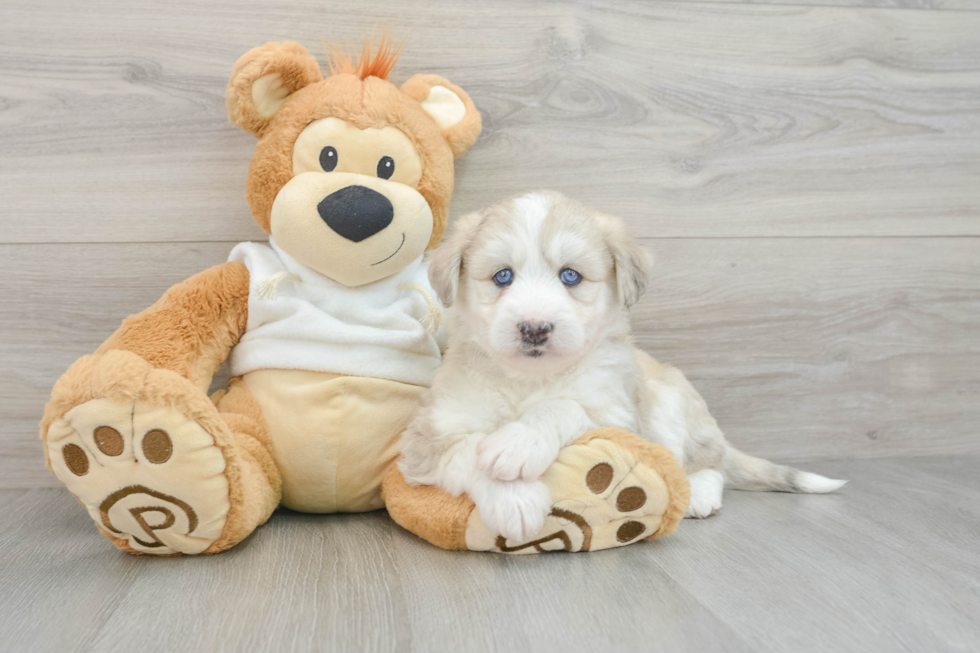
(333, 436)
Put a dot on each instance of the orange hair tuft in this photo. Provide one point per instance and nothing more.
(377, 65)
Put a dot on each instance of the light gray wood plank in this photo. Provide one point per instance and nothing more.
(960, 471)
(925, 5)
(307, 583)
(824, 348)
(803, 348)
(853, 571)
(949, 529)
(342, 583)
(689, 119)
(59, 581)
(862, 570)
(21, 454)
(552, 603)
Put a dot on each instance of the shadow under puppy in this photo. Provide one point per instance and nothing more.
(537, 290)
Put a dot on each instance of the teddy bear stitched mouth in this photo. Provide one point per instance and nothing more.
(393, 253)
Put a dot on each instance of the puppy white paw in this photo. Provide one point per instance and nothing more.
(514, 509)
(514, 452)
(706, 491)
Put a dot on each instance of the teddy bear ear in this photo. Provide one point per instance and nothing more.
(262, 80)
(449, 106)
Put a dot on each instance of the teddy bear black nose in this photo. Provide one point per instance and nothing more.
(356, 212)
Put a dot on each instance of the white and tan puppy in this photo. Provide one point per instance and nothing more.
(537, 291)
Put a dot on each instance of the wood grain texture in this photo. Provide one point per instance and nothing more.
(925, 5)
(888, 564)
(689, 119)
(874, 545)
(824, 348)
(804, 348)
(807, 177)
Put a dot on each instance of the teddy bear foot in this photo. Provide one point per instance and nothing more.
(146, 474)
(609, 488)
(161, 468)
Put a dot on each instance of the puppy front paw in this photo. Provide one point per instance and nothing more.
(706, 493)
(515, 452)
(514, 509)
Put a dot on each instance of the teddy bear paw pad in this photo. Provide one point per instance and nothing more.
(602, 497)
(147, 475)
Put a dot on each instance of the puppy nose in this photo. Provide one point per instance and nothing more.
(535, 333)
(356, 212)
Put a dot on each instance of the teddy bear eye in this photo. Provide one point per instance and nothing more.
(386, 167)
(328, 158)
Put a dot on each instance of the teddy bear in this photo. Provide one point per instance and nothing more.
(331, 334)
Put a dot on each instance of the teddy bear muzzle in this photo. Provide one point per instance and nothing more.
(351, 227)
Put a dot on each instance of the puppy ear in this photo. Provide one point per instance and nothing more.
(446, 260)
(262, 80)
(632, 261)
(450, 107)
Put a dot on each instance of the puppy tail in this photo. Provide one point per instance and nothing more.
(745, 472)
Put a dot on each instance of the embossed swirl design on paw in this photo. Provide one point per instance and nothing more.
(138, 512)
(149, 476)
(560, 535)
(598, 479)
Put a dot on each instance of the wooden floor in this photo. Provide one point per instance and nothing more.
(890, 564)
(807, 173)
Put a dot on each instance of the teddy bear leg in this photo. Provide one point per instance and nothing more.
(260, 482)
(158, 467)
(609, 488)
(430, 512)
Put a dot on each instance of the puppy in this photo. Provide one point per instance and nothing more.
(537, 291)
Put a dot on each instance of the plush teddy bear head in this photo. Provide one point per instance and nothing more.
(352, 175)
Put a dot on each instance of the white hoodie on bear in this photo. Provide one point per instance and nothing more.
(299, 319)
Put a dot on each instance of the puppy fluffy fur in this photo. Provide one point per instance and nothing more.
(537, 290)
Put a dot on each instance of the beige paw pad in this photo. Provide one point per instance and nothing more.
(147, 475)
(602, 497)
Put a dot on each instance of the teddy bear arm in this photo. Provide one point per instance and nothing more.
(162, 468)
(193, 327)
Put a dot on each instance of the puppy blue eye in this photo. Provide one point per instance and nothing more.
(570, 277)
(503, 277)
